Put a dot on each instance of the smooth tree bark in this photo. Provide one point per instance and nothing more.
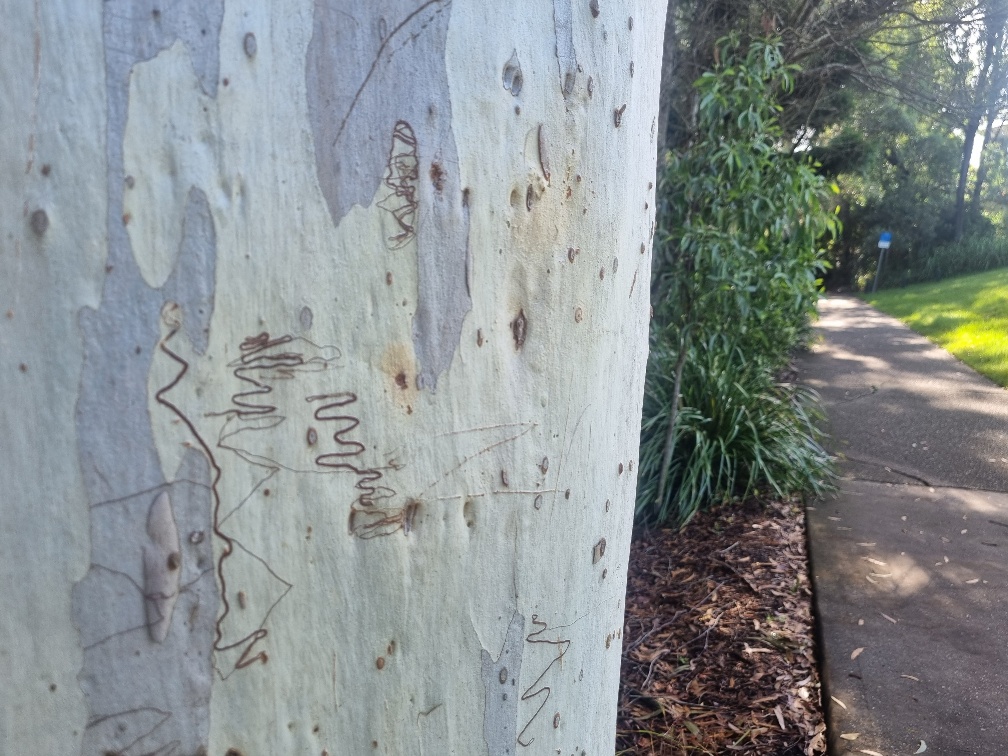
(985, 97)
(323, 329)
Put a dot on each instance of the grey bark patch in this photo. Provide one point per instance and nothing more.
(501, 696)
(563, 25)
(144, 691)
(144, 696)
(137, 30)
(193, 281)
(367, 88)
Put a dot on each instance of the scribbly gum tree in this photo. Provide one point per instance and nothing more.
(322, 341)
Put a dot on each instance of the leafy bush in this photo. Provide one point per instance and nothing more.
(974, 254)
(735, 279)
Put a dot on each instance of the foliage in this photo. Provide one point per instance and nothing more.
(734, 285)
(973, 254)
(904, 181)
(739, 430)
(968, 316)
(910, 156)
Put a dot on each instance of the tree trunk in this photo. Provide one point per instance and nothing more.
(991, 114)
(973, 125)
(667, 95)
(322, 363)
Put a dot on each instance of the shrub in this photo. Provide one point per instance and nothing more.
(735, 279)
(974, 254)
(739, 430)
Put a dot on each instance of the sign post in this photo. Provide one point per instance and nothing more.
(884, 242)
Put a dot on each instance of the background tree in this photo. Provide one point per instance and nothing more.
(322, 358)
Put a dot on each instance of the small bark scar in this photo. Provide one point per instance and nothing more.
(162, 567)
(544, 154)
(563, 23)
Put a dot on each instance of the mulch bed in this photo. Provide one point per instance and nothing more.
(718, 645)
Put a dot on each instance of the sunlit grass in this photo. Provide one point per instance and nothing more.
(968, 316)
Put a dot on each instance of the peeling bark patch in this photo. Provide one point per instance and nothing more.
(544, 162)
(500, 675)
(598, 551)
(146, 611)
(566, 58)
(512, 75)
(519, 329)
(362, 84)
(161, 562)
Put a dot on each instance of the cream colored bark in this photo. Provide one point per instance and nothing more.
(322, 339)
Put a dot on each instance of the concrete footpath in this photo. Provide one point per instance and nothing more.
(910, 560)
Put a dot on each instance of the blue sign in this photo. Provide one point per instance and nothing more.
(885, 240)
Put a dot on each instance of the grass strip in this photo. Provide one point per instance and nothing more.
(968, 316)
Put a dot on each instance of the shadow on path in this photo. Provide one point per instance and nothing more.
(910, 560)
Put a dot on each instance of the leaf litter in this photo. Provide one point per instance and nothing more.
(718, 644)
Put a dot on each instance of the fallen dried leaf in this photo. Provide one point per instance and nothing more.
(869, 753)
(974, 581)
(780, 716)
(856, 652)
(878, 562)
(871, 580)
(850, 735)
(921, 748)
(706, 594)
(837, 700)
(894, 621)
(911, 677)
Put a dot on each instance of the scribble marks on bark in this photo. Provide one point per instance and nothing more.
(366, 85)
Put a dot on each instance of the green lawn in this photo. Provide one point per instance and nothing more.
(968, 316)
